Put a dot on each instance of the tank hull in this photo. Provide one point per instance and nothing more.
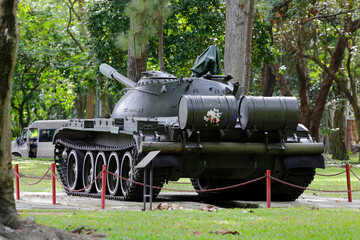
(204, 131)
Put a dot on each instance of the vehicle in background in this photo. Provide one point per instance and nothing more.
(35, 141)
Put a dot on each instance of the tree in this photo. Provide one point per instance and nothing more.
(315, 34)
(239, 22)
(10, 221)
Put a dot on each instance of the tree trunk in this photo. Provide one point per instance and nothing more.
(8, 50)
(335, 63)
(281, 81)
(90, 104)
(338, 144)
(268, 81)
(237, 58)
(103, 100)
(110, 101)
(161, 44)
(135, 66)
(303, 86)
(80, 105)
(249, 16)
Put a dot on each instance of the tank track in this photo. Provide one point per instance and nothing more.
(257, 191)
(298, 176)
(135, 192)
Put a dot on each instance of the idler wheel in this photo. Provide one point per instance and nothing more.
(127, 171)
(74, 169)
(113, 182)
(88, 172)
(99, 162)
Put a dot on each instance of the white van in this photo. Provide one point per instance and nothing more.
(36, 140)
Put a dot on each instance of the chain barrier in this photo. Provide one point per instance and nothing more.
(40, 179)
(20, 176)
(173, 182)
(179, 190)
(330, 175)
(310, 189)
(32, 177)
(354, 174)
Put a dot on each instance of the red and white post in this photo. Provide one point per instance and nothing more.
(103, 187)
(17, 181)
(268, 188)
(53, 183)
(348, 182)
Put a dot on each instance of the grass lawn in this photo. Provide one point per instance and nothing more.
(287, 223)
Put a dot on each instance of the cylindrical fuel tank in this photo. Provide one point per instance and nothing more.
(207, 112)
(269, 113)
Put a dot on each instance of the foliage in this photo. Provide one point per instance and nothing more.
(106, 20)
(191, 27)
(144, 17)
(50, 70)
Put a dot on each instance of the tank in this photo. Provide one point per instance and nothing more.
(204, 129)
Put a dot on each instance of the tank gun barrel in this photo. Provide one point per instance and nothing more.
(111, 73)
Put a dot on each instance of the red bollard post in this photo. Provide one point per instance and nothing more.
(268, 188)
(17, 181)
(348, 182)
(53, 183)
(103, 187)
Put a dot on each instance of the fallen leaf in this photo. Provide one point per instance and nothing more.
(208, 208)
(175, 207)
(286, 218)
(247, 211)
(78, 230)
(197, 233)
(224, 231)
(163, 206)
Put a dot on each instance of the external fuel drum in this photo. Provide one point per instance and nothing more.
(269, 113)
(207, 112)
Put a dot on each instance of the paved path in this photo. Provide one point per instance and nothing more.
(41, 200)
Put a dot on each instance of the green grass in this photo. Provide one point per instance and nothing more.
(289, 223)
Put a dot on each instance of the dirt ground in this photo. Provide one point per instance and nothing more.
(41, 200)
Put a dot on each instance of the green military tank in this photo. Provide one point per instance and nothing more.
(204, 129)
